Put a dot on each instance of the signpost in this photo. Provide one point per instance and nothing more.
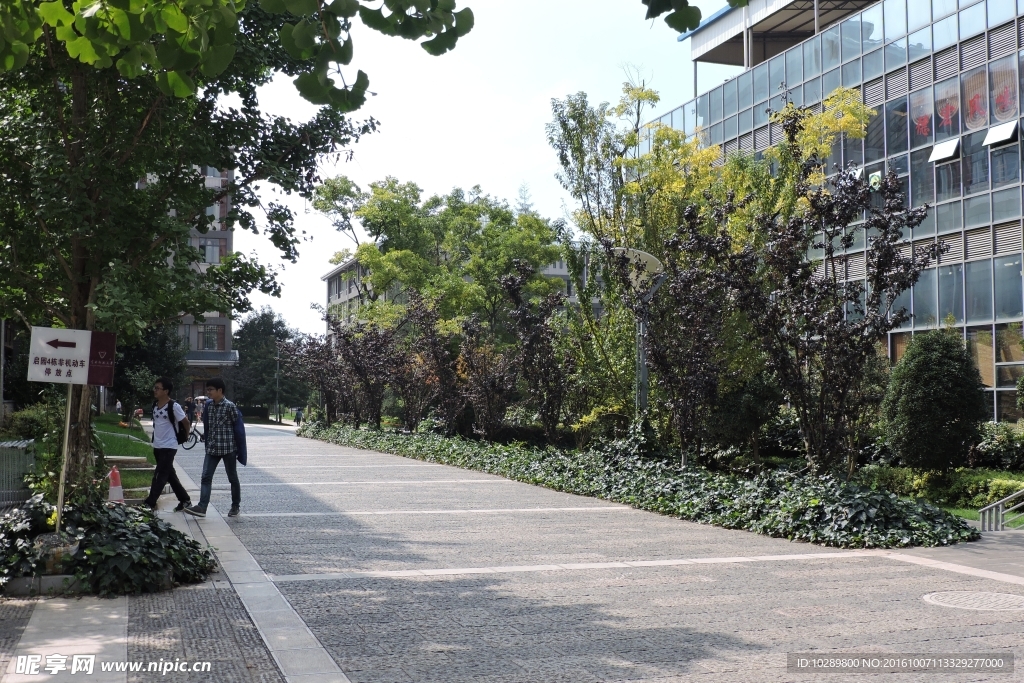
(70, 357)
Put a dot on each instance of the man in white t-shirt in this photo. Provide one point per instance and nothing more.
(167, 415)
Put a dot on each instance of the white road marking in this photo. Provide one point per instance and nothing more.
(467, 511)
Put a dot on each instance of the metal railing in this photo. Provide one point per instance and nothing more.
(1004, 514)
(16, 460)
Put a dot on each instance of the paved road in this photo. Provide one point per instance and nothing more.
(408, 571)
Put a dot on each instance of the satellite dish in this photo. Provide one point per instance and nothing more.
(650, 268)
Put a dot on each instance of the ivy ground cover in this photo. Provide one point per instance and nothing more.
(800, 507)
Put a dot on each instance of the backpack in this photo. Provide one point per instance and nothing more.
(180, 430)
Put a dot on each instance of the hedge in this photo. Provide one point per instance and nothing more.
(778, 503)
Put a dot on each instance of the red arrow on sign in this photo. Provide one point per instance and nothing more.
(56, 343)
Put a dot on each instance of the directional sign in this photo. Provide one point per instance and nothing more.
(71, 356)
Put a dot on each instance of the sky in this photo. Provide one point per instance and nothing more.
(476, 115)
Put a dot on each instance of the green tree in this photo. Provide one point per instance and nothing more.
(111, 111)
(258, 338)
(160, 353)
(176, 44)
(935, 402)
(452, 249)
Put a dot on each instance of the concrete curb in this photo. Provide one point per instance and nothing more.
(298, 653)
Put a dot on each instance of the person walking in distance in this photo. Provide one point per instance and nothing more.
(225, 441)
(170, 428)
(298, 417)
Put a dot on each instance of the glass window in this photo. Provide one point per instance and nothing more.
(871, 28)
(851, 38)
(1008, 292)
(1005, 205)
(744, 90)
(776, 74)
(716, 134)
(812, 91)
(903, 303)
(777, 103)
(745, 121)
(947, 182)
(874, 141)
(941, 8)
(812, 58)
(949, 217)
(1009, 342)
(919, 13)
(796, 95)
(729, 98)
(830, 53)
(977, 211)
(972, 20)
(999, 11)
(702, 111)
(794, 66)
(1002, 77)
(851, 74)
(895, 54)
(921, 109)
(975, 163)
(895, 18)
(715, 104)
(925, 307)
(979, 343)
(1005, 166)
(1007, 376)
(760, 114)
(944, 33)
(873, 65)
(760, 82)
(1020, 71)
(927, 226)
(896, 126)
(922, 184)
(690, 114)
(898, 346)
(978, 281)
(1007, 404)
(919, 45)
(853, 151)
(947, 108)
(951, 292)
(730, 128)
(829, 82)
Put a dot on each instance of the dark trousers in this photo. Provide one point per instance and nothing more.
(164, 475)
(206, 484)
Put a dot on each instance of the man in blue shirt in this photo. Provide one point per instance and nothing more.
(225, 440)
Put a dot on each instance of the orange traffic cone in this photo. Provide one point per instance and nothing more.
(116, 492)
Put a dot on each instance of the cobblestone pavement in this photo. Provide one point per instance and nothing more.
(412, 572)
(198, 624)
(14, 616)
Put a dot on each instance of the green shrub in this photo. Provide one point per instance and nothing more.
(122, 549)
(31, 423)
(1001, 446)
(960, 488)
(935, 403)
(779, 503)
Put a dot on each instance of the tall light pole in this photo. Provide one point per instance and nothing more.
(277, 389)
(646, 275)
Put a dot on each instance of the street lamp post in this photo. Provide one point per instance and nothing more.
(277, 388)
(646, 276)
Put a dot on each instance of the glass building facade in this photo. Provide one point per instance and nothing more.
(946, 80)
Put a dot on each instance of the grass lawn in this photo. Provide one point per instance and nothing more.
(116, 443)
(109, 422)
(966, 513)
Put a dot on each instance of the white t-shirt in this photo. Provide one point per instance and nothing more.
(163, 430)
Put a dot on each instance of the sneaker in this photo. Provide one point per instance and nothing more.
(182, 506)
(233, 512)
(194, 511)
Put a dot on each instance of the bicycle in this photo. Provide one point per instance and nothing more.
(194, 437)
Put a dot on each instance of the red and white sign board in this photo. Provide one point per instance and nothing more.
(71, 356)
